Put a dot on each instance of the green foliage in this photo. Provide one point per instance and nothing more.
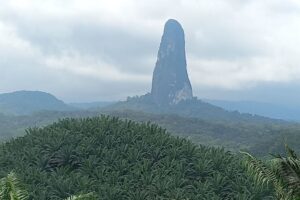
(10, 188)
(89, 196)
(259, 139)
(283, 173)
(28, 102)
(118, 159)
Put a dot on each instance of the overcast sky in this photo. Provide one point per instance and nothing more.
(92, 50)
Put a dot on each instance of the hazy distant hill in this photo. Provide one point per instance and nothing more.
(91, 105)
(194, 108)
(259, 108)
(258, 138)
(27, 102)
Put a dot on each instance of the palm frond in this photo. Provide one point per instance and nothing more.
(290, 172)
(10, 188)
(261, 173)
(283, 173)
(88, 196)
(290, 152)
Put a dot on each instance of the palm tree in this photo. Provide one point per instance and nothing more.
(281, 172)
(89, 196)
(10, 189)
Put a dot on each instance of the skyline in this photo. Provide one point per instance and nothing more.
(100, 50)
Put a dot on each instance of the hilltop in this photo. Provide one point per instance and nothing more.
(118, 159)
(28, 102)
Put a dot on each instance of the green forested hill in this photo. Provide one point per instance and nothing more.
(259, 139)
(28, 102)
(13, 126)
(192, 108)
(122, 160)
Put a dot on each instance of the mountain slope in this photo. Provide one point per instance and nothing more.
(91, 105)
(27, 102)
(258, 138)
(122, 160)
(193, 108)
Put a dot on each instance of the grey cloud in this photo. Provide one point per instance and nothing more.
(238, 40)
(127, 50)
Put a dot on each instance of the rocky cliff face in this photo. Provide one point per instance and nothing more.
(171, 83)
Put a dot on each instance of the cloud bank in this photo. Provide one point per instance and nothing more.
(106, 50)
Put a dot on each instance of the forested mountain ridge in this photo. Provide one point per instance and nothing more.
(118, 159)
(192, 108)
(259, 139)
(28, 102)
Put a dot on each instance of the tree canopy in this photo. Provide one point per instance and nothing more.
(121, 159)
